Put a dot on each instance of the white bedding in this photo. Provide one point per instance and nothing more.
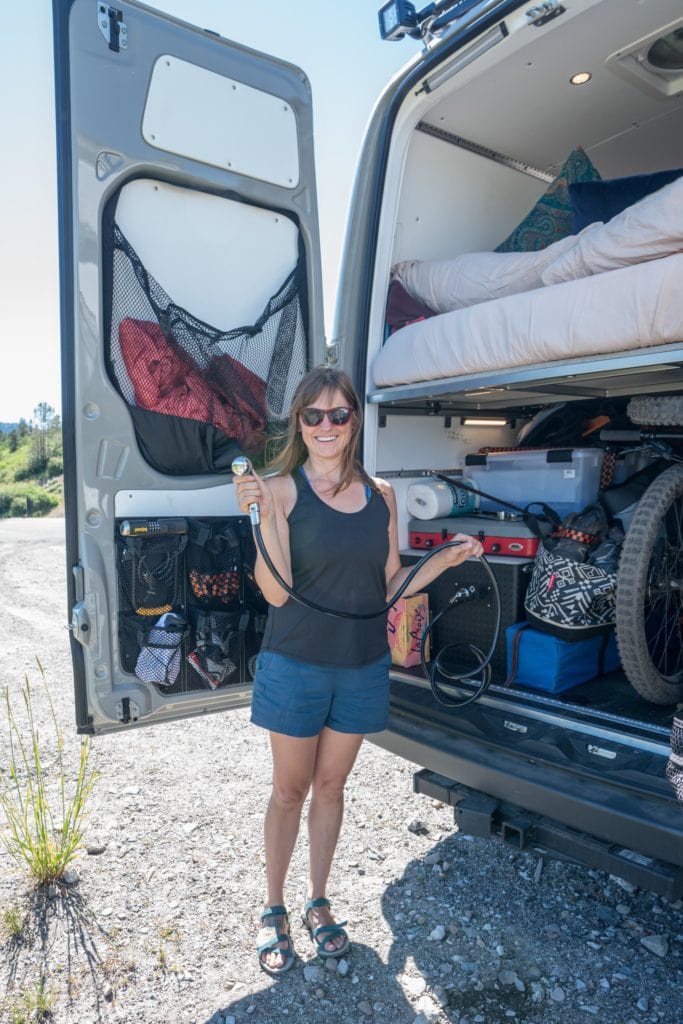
(633, 307)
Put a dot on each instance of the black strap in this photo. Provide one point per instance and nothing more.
(473, 490)
(603, 652)
(540, 525)
(514, 659)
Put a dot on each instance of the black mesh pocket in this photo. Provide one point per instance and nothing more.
(160, 657)
(214, 391)
(153, 652)
(216, 654)
(214, 565)
(131, 631)
(151, 574)
(253, 596)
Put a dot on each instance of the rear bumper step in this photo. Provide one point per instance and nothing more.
(611, 821)
(477, 814)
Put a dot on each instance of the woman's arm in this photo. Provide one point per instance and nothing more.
(446, 559)
(272, 497)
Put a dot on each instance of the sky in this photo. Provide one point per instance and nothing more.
(337, 45)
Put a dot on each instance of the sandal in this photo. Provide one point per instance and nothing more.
(275, 919)
(324, 932)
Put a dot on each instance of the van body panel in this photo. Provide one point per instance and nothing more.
(199, 151)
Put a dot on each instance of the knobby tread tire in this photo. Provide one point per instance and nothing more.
(659, 411)
(632, 587)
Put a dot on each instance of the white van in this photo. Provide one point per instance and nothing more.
(191, 306)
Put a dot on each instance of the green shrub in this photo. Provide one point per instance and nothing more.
(55, 466)
(25, 472)
(43, 800)
(26, 499)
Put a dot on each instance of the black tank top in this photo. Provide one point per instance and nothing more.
(339, 561)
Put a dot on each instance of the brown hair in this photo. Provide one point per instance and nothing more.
(293, 452)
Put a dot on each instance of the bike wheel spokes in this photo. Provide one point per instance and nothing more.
(650, 592)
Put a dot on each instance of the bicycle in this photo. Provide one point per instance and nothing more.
(649, 598)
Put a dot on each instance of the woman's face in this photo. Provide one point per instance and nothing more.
(327, 440)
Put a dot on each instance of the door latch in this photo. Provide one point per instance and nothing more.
(112, 27)
(80, 623)
(545, 11)
(127, 711)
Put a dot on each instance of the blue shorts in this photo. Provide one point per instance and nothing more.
(298, 699)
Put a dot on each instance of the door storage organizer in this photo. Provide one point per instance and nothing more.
(191, 615)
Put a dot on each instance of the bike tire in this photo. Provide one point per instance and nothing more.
(649, 601)
(656, 410)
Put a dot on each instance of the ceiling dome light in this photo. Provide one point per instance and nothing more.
(580, 78)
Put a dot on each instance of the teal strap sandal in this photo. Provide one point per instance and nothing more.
(275, 920)
(324, 932)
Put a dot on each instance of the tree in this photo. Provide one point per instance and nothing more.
(44, 414)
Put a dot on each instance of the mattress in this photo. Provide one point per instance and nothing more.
(632, 307)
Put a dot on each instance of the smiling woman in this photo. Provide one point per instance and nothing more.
(321, 684)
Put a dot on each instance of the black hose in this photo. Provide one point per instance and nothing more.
(436, 668)
(336, 612)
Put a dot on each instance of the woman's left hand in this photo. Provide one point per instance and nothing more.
(469, 547)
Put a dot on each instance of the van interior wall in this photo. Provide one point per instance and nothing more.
(455, 201)
(452, 201)
(411, 445)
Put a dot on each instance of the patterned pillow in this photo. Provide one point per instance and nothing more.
(552, 216)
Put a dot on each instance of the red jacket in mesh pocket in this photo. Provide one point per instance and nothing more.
(166, 380)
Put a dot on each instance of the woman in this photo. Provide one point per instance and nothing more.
(322, 683)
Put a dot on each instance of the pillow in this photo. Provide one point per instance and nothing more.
(403, 308)
(645, 231)
(446, 285)
(602, 200)
(552, 216)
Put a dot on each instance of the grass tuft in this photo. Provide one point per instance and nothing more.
(11, 922)
(44, 812)
(36, 1004)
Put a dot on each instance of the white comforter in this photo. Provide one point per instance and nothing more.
(633, 307)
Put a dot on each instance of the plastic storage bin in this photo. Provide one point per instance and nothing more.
(567, 479)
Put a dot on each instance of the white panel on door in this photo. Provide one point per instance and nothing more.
(203, 116)
(216, 257)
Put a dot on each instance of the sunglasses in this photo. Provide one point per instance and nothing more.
(313, 417)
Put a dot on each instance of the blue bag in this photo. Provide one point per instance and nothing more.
(545, 662)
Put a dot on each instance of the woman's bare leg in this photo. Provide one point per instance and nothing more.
(293, 764)
(335, 757)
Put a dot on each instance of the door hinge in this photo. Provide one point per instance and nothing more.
(112, 27)
(545, 11)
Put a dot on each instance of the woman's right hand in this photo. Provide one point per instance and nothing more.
(251, 488)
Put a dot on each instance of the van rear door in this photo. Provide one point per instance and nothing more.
(191, 305)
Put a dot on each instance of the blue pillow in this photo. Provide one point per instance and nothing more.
(602, 200)
(552, 216)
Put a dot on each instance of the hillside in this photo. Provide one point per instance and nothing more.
(31, 465)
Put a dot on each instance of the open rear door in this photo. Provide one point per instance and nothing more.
(191, 306)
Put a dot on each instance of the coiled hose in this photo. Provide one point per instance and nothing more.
(480, 674)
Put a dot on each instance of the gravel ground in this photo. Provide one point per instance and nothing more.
(159, 919)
